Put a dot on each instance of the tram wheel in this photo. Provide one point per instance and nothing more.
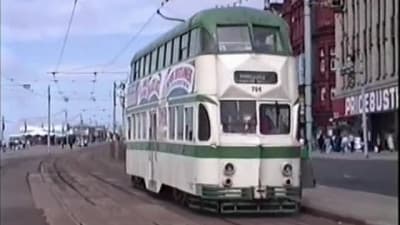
(179, 196)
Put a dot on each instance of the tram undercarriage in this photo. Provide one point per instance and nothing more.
(277, 200)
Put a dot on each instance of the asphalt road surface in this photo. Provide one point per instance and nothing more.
(16, 204)
(17, 207)
(375, 176)
(97, 191)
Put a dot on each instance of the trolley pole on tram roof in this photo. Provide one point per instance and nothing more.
(308, 73)
(48, 119)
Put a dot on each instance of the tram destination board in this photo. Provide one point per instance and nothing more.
(255, 77)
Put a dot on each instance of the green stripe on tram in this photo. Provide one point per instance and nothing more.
(202, 151)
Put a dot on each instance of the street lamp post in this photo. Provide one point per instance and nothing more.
(308, 74)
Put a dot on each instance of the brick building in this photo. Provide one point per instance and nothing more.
(323, 39)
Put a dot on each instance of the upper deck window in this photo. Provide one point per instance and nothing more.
(267, 39)
(233, 39)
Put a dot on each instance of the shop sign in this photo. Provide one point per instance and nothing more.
(381, 100)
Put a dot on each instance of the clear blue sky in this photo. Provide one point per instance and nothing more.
(31, 38)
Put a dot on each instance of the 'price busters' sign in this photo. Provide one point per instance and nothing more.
(375, 101)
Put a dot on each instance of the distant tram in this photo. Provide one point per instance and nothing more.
(212, 114)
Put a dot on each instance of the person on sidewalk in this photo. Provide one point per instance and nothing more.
(321, 142)
(351, 140)
(328, 144)
(344, 144)
(390, 142)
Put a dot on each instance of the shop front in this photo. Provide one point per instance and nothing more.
(381, 107)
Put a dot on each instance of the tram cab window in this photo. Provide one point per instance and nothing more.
(233, 39)
(274, 119)
(266, 39)
(204, 129)
(238, 116)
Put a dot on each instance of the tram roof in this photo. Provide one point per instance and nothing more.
(209, 18)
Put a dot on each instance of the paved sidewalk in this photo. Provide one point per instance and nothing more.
(362, 207)
(357, 155)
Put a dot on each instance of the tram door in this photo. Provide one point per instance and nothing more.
(153, 147)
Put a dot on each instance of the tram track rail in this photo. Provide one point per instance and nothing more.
(82, 170)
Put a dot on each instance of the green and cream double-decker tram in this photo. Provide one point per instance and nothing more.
(212, 114)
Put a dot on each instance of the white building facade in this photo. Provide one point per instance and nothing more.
(367, 54)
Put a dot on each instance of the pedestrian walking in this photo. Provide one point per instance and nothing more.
(328, 144)
(321, 142)
(71, 141)
(390, 142)
(351, 142)
(344, 144)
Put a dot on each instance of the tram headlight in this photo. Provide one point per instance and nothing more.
(229, 169)
(287, 170)
(228, 182)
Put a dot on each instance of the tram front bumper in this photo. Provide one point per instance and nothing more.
(250, 199)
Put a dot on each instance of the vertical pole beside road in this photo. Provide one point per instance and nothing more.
(48, 119)
(364, 122)
(114, 106)
(66, 126)
(308, 75)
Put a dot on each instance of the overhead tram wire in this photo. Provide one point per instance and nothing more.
(60, 57)
(126, 46)
(131, 40)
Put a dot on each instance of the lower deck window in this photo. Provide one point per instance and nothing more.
(238, 116)
(274, 119)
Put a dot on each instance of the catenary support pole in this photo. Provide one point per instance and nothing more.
(114, 106)
(48, 119)
(66, 126)
(308, 73)
(364, 122)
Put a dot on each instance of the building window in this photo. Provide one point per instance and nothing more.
(322, 65)
(332, 60)
(322, 94)
(321, 60)
(333, 92)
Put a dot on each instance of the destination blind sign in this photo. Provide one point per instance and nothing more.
(252, 77)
